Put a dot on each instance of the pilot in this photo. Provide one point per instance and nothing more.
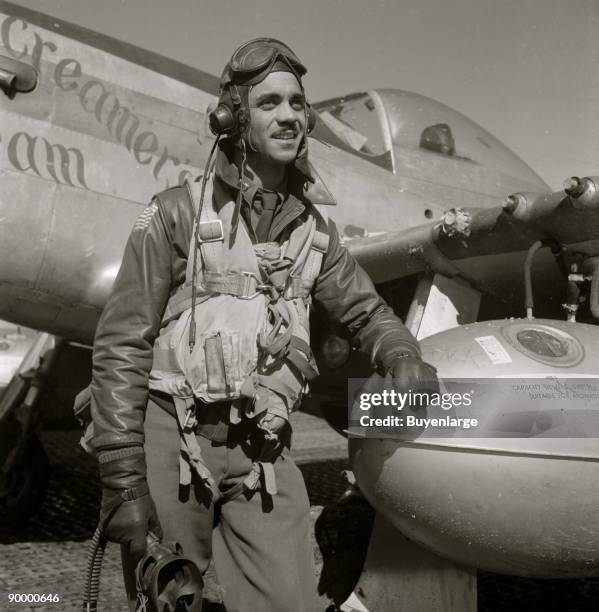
(203, 349)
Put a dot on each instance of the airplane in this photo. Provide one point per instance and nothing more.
(444, 217)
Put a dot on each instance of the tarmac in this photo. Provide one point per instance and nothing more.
(47, 553)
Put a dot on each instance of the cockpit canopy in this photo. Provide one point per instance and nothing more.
(380, 124)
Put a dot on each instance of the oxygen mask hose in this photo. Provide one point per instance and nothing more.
(94, 568)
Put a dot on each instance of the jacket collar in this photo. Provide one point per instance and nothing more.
(304, 183)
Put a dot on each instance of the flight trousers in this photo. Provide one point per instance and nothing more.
(260, 544)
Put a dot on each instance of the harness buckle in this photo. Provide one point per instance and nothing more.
(247, 293)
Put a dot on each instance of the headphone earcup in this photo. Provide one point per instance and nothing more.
(222, 120)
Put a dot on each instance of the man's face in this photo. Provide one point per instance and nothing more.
(277, 117)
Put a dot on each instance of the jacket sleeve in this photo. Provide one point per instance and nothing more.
(130, 322)
(347, 298)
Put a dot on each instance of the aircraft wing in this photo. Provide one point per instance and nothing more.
(487, 247)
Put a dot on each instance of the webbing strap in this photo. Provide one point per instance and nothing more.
(300, 355)
(299, 240)
(320, 244)
(300, 344)
(181, 301)
(277, 385)
(302, 363)
(121, 496)
(191, 453)
(252, 481)
(274, 342)
(210, 232)
(297, 287)
(244, 285)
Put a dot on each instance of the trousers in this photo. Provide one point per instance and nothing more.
(260, 544)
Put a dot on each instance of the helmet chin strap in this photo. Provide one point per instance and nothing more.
(247, 132)
(237, 210)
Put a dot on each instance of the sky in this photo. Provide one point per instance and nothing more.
(526, 70)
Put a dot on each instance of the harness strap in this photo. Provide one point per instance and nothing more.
(299, 241)
(261, 470)
(299, 355)
(277, 385)
(244, 285)
(210, 231)
(181, 301)
(274, 342)
(191, 453)
(278, 278)
(297, 287)
(313, 263)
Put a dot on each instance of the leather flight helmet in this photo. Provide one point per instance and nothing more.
(249, 65)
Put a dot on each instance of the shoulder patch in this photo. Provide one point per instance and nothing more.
(146, 216)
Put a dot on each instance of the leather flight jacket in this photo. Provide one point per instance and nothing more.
(154, 267)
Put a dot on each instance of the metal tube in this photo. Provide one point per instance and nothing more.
(529, 301)
(593, 262)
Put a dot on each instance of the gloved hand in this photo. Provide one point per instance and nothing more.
(127, 513)
(274, 415)
(275, 425)
(272, 423)
(410, 372)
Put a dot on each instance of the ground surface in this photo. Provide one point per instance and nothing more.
(48, 552)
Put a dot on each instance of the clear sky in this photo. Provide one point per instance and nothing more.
(526, 70)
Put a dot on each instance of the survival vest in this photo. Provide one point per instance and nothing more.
(252, 311)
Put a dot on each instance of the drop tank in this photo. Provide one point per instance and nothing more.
(523, 505)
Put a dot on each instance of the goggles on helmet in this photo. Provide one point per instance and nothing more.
(251, 62)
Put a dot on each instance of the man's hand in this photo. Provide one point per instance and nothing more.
(272, 423)
(275, 429)
(409, 372)
(128, 512)
(128, 522)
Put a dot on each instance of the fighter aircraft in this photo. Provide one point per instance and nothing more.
(92, 127)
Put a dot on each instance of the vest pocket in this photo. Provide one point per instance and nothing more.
(222, 361)
(225, 355)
